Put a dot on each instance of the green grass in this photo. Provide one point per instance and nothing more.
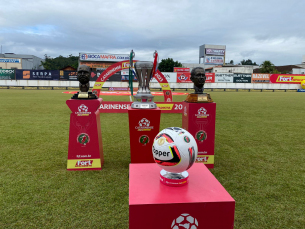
(259, 159)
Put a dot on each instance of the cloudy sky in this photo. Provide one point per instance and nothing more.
(257, 30)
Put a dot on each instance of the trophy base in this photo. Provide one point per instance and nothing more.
(199, 98)
(84, 95)
(174, 179)
(143, 101)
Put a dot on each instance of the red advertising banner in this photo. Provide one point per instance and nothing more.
(199, 120)
(286, 78)
(210, 77)
(122, 107)
(184, 77)
(181, 69)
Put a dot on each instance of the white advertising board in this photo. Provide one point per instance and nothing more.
(224, 77)
(171, 77)
(103, 57)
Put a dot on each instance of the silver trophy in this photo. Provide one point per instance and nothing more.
(143, 99)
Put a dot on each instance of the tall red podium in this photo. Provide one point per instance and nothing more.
(199, 119)
(203, 203)
(144, 125)
(85, 138)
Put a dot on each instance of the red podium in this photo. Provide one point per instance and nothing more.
(199, 120)
(144, 125)
(203, 203)
(85, 137)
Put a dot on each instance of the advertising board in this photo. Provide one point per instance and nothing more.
(176, 69)
(184, 77)
(7, 74)
(286, 78)
(216, 52)
(171, 77)
(260, 78)
(214, 60)
(241, 78)
(9, 60)
(103, 57)
(210, 77)
(96, 64)
(37, 74)
(224, 77)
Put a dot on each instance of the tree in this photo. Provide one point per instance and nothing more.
(231, 62)
(59, 62)
(268, 67)
(167, 65)
(247, 62)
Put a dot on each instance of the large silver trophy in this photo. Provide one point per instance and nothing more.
(144, 72)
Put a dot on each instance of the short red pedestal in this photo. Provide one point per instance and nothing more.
(85, 137)
(144, 125)
(199, 120)
(202, 203)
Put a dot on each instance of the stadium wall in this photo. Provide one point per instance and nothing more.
(54, 83)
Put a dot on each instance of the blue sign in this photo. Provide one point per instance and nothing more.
(301, 90)
(10, 60)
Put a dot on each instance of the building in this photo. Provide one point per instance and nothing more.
(20, 61)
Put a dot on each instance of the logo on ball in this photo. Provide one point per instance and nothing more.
(185, 221)
(83, 139)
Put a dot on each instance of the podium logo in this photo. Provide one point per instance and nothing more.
(83, 139)
(202, 159)
(144, 125)
(84, 163)
(144, 139)
(185, 221)
(201, 135)
(82, 110)
(202, 113)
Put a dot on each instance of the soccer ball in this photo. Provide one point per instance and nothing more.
(185, 221)
(174, 149)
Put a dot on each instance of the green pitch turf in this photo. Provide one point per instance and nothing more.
(259, 159)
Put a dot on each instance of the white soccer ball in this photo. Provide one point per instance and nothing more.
(174, 149)
(185, 221)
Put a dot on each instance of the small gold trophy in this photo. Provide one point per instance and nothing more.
(198, 77)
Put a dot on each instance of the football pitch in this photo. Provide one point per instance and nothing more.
(259, 159)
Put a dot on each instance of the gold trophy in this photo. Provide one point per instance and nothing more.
(198, 78)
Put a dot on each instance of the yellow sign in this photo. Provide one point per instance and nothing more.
(206, 159)
(98, 85)
(166, 107)
(165, 86)
(83, 163)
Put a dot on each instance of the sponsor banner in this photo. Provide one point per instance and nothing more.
(260, 78)
(9, 60)
(37, 74)
(205, 159)
(122, 107)
(224, 77)
(184, 77)
(301, 90)
(286, 78)
(96, 64)
(126, 78)
(72, 76)
(210, 77)
(171, 77)
(103, 57)
(118, 89)
(181, 69)
(216, 52)
(214, 60)
(241, 78)
(84, 164)
(7, 74)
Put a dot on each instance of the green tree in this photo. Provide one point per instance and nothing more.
(59, 62)
(268, 67)
(167, 65)
(247, 62)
